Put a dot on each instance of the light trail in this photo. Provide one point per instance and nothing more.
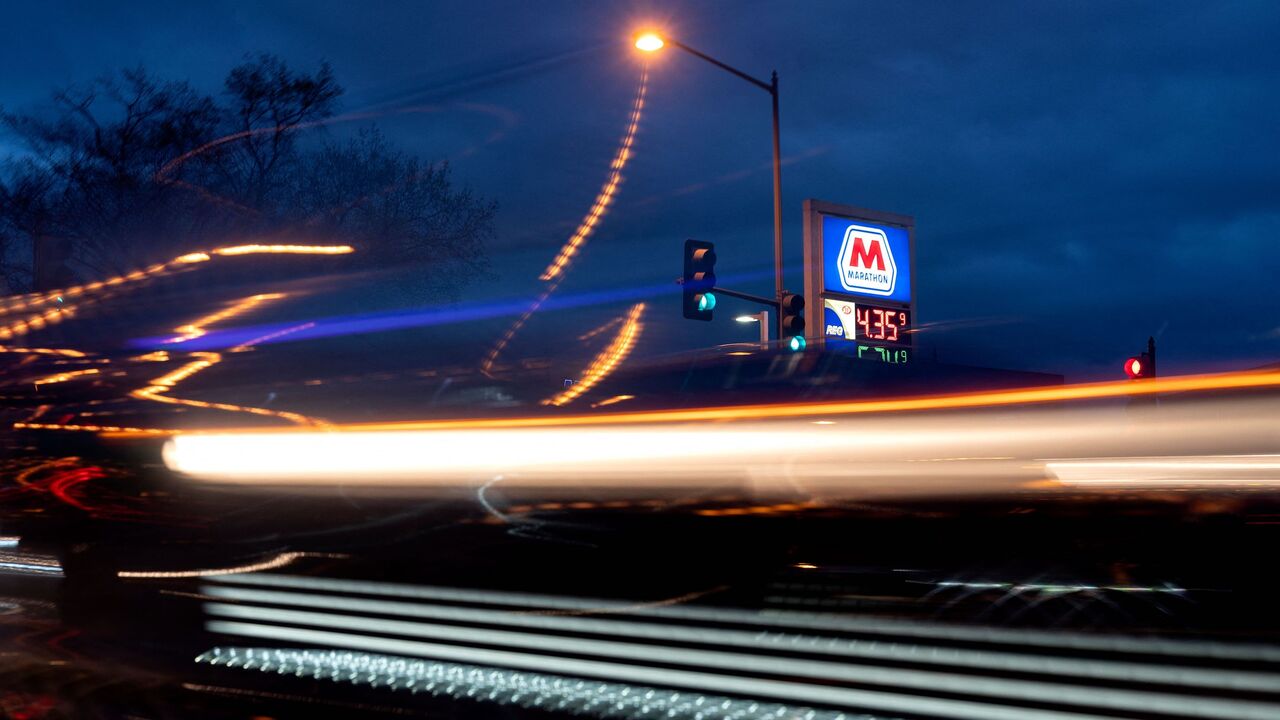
(285, 250)
(532, 690)
(998, 660)
(279, 561)
(682, 678)
(874, 450)
(37, 319)
(29, 564)
(960, 401)
(65, 376)
(196, 328)
(61, 352)
(1170, 472)
(555, 647)
(555, 272)
(107, 429)
(876, 626)
(607, 361)
(613, 400)
(607, 192)
(159, 387)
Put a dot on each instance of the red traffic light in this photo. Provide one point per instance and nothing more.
(1135, 368)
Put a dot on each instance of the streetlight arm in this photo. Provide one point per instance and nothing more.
(771, 89)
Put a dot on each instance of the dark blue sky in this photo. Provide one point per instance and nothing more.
(1082, 174)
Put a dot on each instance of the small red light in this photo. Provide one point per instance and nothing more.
(1133, 367)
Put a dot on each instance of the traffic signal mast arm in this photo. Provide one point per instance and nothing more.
(746, 296)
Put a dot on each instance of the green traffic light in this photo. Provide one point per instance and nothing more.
(797, 343)
(706, 302)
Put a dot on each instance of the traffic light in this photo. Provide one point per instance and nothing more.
(699, 279)
(1142, 366)
(791, 315)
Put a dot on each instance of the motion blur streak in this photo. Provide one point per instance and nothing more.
(875, 626)
(204, 360)
(750, 687)
(286, 250)
(605, 197)
(607, 361)
(997, 398)
(279, 561)
(159, 386)
(196, 328)
(63, 377)
(116, 429)
(61, 352)
(997, 660)
(575, 696)
(1171, 472)
(29, 564)
(744, 662)
(854, 457)
(555, 272)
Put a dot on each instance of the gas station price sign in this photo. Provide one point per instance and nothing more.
(859, 289)
(866, 322)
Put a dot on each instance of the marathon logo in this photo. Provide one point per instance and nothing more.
(866, 261)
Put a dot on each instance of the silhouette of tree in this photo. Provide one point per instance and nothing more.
(131, 169)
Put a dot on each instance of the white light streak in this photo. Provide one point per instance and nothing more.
(779, 618)
(29, 564)
(1011, 450)
(748, 686)
(576, 696)
(877, 650)
(1203, 471)
(278, 561)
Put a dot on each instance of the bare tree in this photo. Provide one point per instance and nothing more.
(87, 183)
(397, 209)
(131, 169)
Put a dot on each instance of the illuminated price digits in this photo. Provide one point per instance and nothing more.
(881, 324)
(863, 318)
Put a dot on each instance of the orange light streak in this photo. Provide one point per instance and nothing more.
(599, 330)
(606, 195)
(63, 377)
(996, 398)
(63, 352)
(285, 250)
(607, 361)
(279, 561)
(112, 429)
(613, 400)
(158, 388)
(555, 272)
(195, 328)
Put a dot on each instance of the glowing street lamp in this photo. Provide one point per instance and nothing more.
(652, 42)
(649, 42)
(761, 317)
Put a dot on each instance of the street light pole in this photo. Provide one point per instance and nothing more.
(651, 42)
(777, 201)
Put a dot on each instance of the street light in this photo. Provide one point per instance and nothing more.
(652, 42)
(649, 42)
(761, 317)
